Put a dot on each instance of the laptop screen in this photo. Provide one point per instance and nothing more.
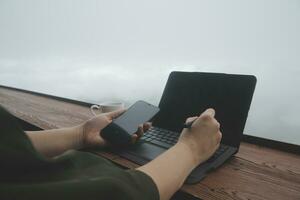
(190, 93)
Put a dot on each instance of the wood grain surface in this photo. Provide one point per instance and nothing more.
(255, 172)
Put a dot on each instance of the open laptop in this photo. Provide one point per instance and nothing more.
(188, 94)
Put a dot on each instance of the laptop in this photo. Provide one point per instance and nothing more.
(188, 94)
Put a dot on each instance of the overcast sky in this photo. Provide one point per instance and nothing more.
(124, 50)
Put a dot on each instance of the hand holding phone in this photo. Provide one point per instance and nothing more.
(120, 130)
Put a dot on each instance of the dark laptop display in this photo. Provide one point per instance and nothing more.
(188, 94)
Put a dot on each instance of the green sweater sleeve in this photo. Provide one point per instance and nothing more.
(127, 185)
(25, 174)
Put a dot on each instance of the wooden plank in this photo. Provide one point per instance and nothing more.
(254, 173)
(41, 111)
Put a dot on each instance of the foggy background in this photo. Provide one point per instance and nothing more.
(124, 50)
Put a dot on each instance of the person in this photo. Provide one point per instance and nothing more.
(47, 164)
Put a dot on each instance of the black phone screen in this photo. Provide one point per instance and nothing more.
(139, 113)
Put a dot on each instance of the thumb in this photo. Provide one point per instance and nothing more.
(190, 119)
(210, 111)
(115, 114)
(207, 114)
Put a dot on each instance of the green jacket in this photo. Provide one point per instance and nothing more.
(26, 174)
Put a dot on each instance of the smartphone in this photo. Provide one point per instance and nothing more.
(120, 130)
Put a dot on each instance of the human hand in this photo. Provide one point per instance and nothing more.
(204, 136)
(91, 129)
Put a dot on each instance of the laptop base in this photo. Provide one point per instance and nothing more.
(143, 153)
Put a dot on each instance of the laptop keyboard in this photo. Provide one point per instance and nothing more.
(161, 137)
(166, 139)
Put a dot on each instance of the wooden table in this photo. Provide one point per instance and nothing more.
(255, 172)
